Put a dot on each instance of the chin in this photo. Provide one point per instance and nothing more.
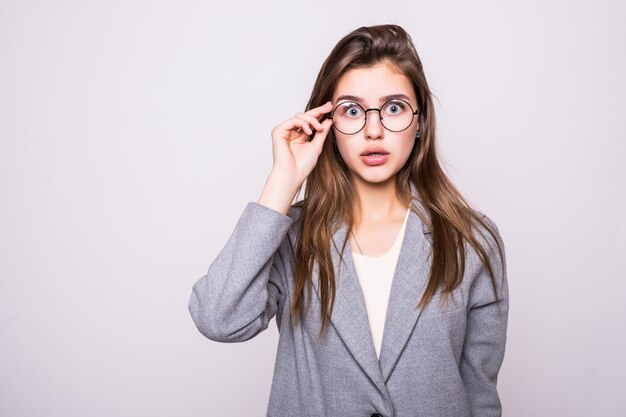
(376, 178)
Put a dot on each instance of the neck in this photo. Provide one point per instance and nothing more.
(377, 202)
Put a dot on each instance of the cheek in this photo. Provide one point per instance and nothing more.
(345, 147)
(407, 144)
(404, 150)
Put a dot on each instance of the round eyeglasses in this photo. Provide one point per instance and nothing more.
(349, 117)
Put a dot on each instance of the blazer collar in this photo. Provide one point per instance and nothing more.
(349, 316)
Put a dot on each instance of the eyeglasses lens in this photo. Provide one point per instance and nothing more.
(350, 117)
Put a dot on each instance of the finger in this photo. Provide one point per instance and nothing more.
(294, 124)
(303, 128)
(321, 110)
(311, 120)
(320, 136)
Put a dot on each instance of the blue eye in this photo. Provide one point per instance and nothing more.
(351, 110)
(394, 108)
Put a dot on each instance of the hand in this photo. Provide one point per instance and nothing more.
(294, 155)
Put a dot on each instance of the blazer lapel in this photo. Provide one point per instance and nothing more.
(408, 286)
(349, 315)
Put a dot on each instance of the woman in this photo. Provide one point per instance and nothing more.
(411, 318)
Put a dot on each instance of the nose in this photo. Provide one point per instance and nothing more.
(373, 127)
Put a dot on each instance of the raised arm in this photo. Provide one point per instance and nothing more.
(244, 286)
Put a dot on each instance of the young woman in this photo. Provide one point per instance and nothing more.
(389, 290)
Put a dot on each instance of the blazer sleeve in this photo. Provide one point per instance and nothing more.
(243, 287)
(485, 339)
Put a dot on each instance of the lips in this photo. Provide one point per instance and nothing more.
(374, 156)
(374, 151)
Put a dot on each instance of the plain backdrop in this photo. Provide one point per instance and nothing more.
(133, 133)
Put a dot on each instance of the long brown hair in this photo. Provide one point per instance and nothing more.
(330, 195)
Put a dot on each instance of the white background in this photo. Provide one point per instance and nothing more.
(133, 133)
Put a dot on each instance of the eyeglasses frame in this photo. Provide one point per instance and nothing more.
(330, 115)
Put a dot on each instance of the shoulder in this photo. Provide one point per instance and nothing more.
(488, 236)
(487, 251)
(489, 221)
(487, 232)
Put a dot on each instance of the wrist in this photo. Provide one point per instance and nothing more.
(279, 191)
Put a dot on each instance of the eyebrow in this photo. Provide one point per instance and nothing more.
(382, 99)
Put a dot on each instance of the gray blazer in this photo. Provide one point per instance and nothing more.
(441, 360)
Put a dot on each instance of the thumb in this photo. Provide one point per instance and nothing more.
(320, 136)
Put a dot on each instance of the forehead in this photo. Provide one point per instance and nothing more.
(374, 82)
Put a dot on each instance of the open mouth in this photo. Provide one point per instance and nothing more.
(375, 152)
(374, 158)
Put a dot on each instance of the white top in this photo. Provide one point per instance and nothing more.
(375, 276)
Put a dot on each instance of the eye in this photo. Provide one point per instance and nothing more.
(394, 108)
(350, 110)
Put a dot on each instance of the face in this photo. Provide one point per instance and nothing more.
(374, 155)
